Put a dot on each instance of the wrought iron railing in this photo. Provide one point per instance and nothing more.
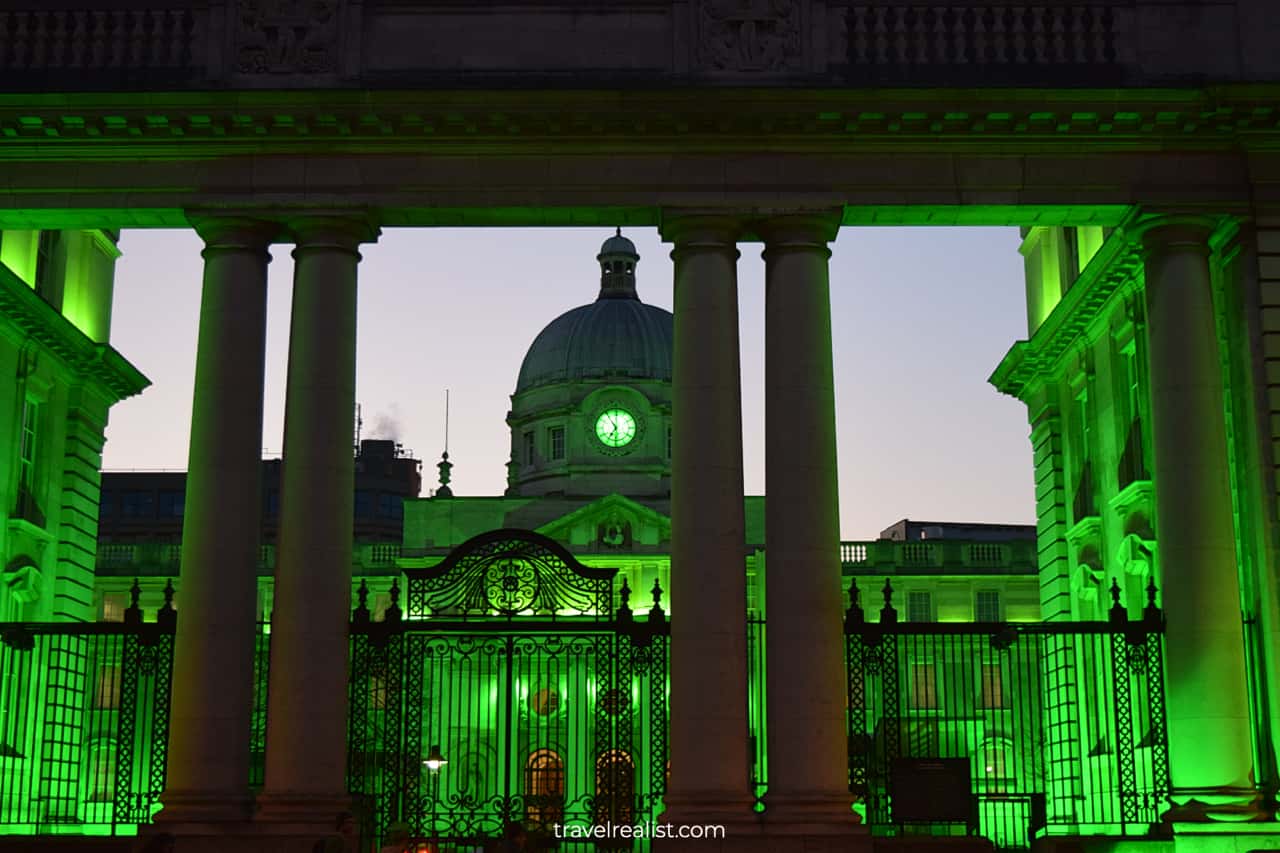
(84, 723)
(1054, 728)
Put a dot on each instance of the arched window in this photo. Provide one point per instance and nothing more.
(994, 764)
(615, 788)
(544, 787)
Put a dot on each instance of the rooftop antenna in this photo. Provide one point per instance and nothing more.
(359, 426)
(445, 466)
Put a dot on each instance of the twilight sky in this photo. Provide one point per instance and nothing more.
(921, 316)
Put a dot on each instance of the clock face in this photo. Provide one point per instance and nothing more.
(615, 428)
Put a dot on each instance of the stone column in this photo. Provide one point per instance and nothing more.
(710, 777)
(306, 720)
(207, 779)
(1208, 707)
(808, 752)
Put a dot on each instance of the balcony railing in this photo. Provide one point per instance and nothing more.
(160, 558)
(888, 555)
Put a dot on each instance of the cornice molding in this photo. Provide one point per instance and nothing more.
(21, 307)
(53, 127)
(1116, 264)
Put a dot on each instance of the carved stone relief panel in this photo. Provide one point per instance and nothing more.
(749, 35)
(287, 36)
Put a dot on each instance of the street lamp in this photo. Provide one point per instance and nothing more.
(434, 760)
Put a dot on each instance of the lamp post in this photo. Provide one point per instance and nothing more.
(433, 762)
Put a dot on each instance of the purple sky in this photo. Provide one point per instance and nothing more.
(921, 316)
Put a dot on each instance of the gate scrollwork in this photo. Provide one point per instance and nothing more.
(508, 573)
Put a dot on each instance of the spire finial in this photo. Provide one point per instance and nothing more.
(618, 231)
(445, 466)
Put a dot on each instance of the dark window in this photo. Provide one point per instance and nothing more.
(273, 502)
(919, 607)
(528, 448)
(986, 606)
(385, 505)
(136, 504)
(364, 504)
(557, 442)
(44, 263)
(171, 504)
(30, 440)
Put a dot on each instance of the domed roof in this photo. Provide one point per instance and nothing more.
(621, 338)
(618, 245)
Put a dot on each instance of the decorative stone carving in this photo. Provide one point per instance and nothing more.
(287, 36)
(749, 35)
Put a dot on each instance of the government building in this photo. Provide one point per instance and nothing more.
(286, 654)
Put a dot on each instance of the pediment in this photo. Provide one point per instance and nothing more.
(612, 523)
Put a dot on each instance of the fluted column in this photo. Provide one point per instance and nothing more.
(808, 752)
(306, 735)
(207, 777)
(1208, 706)
(709, 772)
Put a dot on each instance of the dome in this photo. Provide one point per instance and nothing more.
(621, 338)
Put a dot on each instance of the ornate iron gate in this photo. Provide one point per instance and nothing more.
(517, 687)
(1029, 727)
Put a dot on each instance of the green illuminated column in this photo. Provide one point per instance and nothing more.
(808, 752)
(208, 759)
(306, 719)
(1209, 743)
(709, 773)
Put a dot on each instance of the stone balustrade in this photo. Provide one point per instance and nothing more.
(52, 44)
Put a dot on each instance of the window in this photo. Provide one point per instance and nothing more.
(138, 504)
(528, 448)
(48, 243)
(30, 438)
(668, 442)
(544, 787)
(364, 504)
(113, 607)
(992, 687)
(924, 685)
(102, 774)
(556, 449)
(615, 788)
(919, 607)
(986, 606)
(106, 692)
(994, 761)
(1129, 357)
(171, 504)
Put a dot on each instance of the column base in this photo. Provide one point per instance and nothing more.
(302, 810)
(736, 813)
(1218, 805)
(189, 808)
(760, 842)
(1225, 838)
(242, 838)
(811, 815)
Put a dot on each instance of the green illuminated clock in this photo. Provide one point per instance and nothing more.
(615, 427)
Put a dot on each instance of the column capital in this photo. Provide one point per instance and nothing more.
(233, 231)
(341, 231)
(701, 228)
(1173, 231)
(806, 230)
